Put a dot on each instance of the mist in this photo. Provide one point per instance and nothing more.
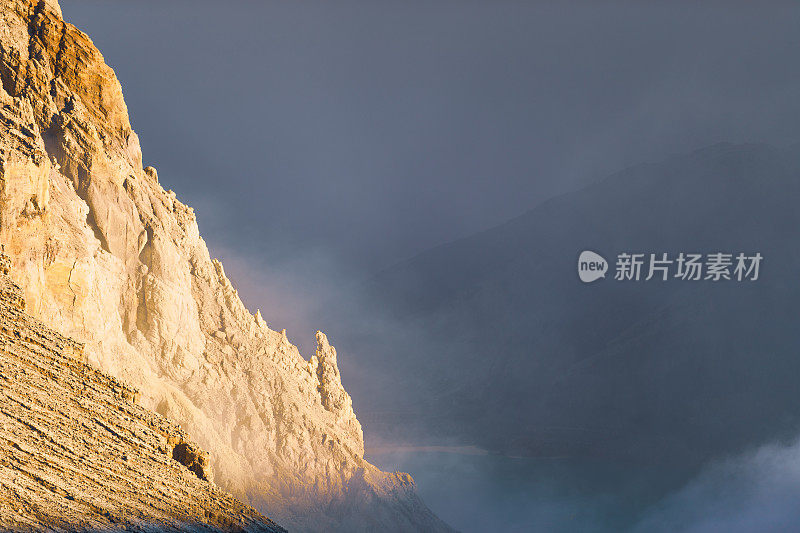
(757, 491)
(754, 491)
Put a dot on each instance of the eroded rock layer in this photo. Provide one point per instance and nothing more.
(76, 452)
(109, 257)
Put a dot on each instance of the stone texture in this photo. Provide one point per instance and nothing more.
(109, 257)
(77, 452)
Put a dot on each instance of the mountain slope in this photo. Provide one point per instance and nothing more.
(77, 452)
(109, 257)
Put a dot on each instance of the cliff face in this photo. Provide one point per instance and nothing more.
(77, 452)
(109, 257)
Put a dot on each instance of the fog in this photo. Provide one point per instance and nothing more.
(323, 143)
(754, 492)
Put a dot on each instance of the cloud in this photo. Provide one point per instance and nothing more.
(758, 491)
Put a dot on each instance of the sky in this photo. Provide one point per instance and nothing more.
(363, 132)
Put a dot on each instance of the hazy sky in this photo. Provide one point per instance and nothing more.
(365, 132)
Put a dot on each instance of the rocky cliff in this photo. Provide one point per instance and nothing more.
(77, 452)
(109, 257)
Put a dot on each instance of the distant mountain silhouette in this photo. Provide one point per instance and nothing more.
(507, 349)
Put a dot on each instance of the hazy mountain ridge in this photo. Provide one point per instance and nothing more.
(545, 365)
(109, 257)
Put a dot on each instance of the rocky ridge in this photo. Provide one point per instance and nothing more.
(77, 452)
(109, 257)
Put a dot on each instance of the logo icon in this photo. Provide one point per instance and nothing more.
(591, 266)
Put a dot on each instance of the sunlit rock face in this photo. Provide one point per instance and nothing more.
(78, 453)
(109, 257)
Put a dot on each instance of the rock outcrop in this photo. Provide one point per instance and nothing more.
(109, 257)
(77, 452)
